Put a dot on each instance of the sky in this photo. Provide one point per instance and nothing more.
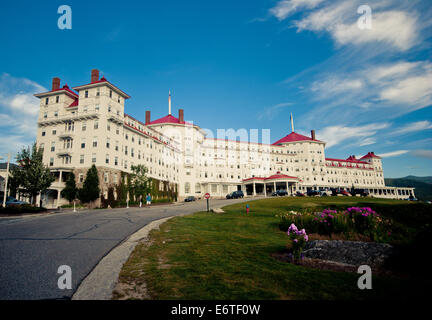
(363, 82)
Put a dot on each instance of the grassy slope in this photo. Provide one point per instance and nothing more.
(227, 256)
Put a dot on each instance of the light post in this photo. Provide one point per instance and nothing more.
(6, 180)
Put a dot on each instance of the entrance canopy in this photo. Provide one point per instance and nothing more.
(265, 185)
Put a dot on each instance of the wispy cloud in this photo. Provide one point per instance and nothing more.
(271, 112)
(18, 112)
(423, 153)
(335, 135)
(285, 8)
(393, 153)
(413, 127)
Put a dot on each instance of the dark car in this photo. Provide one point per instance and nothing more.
(299, 194)
(313, 193)
(280, 193)
(235, 195)
(190, 199)
(361, 192)
(11, 201)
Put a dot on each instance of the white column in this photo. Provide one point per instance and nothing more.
(265, 190)
(287, 186)
(254, 191)
(59, 191)
(274, 185)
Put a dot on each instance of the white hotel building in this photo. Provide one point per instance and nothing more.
(88, 125)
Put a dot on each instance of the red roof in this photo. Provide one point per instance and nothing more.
(74, 104)
(103, 79)
(168, 119)
(370, 155)
(350, 159)
(293, 137)
(272, 177)
(65, 88)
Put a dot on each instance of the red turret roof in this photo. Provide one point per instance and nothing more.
(293, 137)
(65, 88)
(168, 119)
(370, 155)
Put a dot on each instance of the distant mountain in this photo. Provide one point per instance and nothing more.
(421, 179)
(423, 190)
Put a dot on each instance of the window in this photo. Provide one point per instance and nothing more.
(82, 143)
(187, 187)
(109, 108)
(107, 159)
(105, 177)
(81, 177)
(98, 92)
(115, 178)
(51, 162)
(108, 143)
(52, 146)
(55, 113)
(42, 145)
(126, 151)
(97, 108)
(46, 101)
(108, 127)
(54, 132)
(84, 126)
(85, 108)
(125, 164)
(45, 115)
(132, 152)
(95, 142)
(57, 99)
(116, 146)
(82, 159)
(93, 157)
(110, 94)
(116, 161)
(96, 124)
(86, 94)
(43, 133)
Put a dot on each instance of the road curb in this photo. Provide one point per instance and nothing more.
(101, 281)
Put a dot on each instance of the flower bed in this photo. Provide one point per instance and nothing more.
(352, 222)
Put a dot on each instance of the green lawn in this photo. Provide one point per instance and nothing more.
(227, 256)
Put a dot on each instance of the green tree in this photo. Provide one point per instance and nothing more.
(90, 190)
(70, 191)
(31, 174)
(139, 182)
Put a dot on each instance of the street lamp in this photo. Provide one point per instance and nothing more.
(6, 180)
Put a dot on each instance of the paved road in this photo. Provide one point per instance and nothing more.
(32, 248)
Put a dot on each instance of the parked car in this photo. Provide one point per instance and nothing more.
(235, 195)
(299, 194)
(324, 193)
(312, 193)
(345, 193)
(11, 201)
(190, 199)
(361, 192)
(411, 198)
(280, 193)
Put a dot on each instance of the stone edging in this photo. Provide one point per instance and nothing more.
(101, 281)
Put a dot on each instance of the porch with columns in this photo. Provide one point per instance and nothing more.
(265, 186)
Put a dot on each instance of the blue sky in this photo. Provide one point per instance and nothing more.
(237, 64)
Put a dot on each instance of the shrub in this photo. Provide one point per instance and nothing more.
(19, 209)
(298, 240)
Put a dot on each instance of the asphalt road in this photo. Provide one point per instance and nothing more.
(32, 248)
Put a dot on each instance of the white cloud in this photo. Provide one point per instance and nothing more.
(396, 28)
(285, 8)
(271, 112)
(423, 153)
(335, 135)
(18, 112)
(393, 153)
(414, 127)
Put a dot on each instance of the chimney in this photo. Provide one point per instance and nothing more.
(313, 134)
(55, 84)
(94, 75)
(181, 115)
(147, 117)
